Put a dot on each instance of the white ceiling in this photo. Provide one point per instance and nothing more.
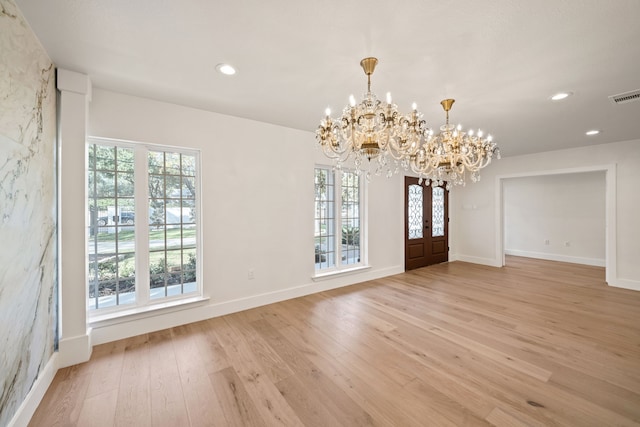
(500, 59)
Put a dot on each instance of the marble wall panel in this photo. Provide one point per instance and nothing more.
(28, 256)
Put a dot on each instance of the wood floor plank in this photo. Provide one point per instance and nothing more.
(380, 401)
(456, 413)
(168, 407)
(203, 409)
(602, 393)
(306, 373)
(106, 367)
(535, 343)
(133, 405)
(266, 397)
(476, 346)
(541, 353)
(271, 362)
(99, 410)
(310, 409)
(62, 403)
(237, 406)
(505, 418)
(213, 355)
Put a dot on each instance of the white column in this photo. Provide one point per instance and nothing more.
(75, 95)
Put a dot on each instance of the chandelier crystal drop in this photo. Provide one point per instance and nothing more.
(380, 140)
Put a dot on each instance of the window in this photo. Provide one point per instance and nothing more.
(338, 219)
(142, 217)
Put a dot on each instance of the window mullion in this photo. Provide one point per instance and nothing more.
(94, 227)
(141, 179)
(364, 223)
(337, 215)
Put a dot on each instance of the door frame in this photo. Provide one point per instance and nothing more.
(428, 239)
(610, 213)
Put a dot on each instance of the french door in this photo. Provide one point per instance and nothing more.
(426, 224)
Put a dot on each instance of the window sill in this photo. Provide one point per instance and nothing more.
(338, 273)
(127, 315)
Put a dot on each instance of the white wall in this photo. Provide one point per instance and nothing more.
(257, 206)
(476, 210)
(557, 217)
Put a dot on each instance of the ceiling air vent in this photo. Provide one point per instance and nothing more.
(626, 97)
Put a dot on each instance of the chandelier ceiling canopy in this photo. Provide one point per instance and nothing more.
(380, 140)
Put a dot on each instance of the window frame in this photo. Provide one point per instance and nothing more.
(142, 300)
(340, 266)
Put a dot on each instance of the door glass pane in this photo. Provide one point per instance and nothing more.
(437, 211)
(415, 211)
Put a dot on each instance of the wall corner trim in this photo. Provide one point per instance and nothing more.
(74, 350)
(72, 81)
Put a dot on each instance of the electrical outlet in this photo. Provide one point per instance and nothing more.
(546, 242)
(250, 274)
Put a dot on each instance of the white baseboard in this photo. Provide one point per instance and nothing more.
(633, 285)
(597, 262)
(476, 260)
(74, 350)
(34, 397)
(162, 320)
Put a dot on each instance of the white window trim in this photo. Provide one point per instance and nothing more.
(325, 275)
(143, 305)
(346, 269)
(99, 320)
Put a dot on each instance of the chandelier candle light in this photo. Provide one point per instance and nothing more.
(388, 140)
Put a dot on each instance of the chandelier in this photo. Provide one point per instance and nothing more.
(372, 130)
(452, 152)
(382, 140)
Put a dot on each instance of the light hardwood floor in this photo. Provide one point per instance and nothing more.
(535, 343)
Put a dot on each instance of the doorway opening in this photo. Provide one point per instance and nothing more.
(609, 213)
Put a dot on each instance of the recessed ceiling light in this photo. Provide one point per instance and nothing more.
(561, 95)
(592, 132)
(226, 69)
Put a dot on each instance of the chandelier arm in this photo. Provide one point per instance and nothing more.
(486, 162)
(472, 162)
